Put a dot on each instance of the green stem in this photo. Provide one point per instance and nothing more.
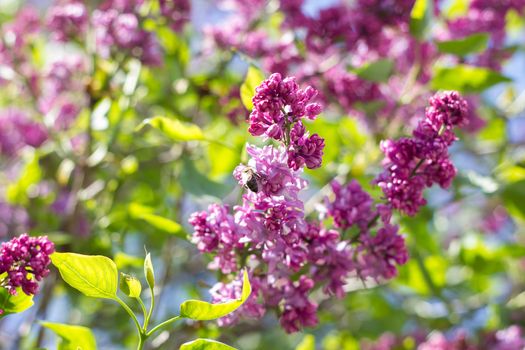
(132, 315)
(151, 307)
(161, 325)
(142, 341)
(143, 307)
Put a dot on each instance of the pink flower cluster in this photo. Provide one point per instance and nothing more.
(24, 260)
(18, 130)
(278, 107)
(510, 338)
(288, 255)
(486, 16)
(412, 164)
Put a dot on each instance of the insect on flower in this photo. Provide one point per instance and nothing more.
(250, 179)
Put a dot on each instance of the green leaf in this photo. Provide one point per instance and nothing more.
(467, 79)
(149, 272)
(457, 8)
(420, 18)
(17, 193)
(13, 304)
(513, 196)
(195, 182)
(254, 77)
(93, 275)
(474, 43)
(72, 337)
(205, 344)
(203, 311)
(174, 128)
(378, 71)
(308, 343)
(123, 260)
(130, 285)
(141, 212)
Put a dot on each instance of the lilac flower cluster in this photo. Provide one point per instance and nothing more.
(486, 16)
(510, 338)
(379, 247)
(289, 255)
(278, 107)
(68, 21)
(18, 130)
(411, 164)
(24, 260)
(117, 30)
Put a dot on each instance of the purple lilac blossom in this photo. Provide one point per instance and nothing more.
(411, 164)
(25, 260)
(67, 20)
(17, 131)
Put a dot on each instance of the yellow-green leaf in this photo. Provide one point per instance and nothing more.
(144, 213)
(466, 79)
(205, 344)
(308, 343)
(13, 304)
(17, 193)
(420, 18)
(174, 128)
(93, 275)
(72, 337)
(254, 78)
(130, 285)
(201, 310)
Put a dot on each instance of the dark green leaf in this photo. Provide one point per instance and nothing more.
(474, 43)
(378, 71)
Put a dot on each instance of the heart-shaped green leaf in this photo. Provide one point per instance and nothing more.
(201, 310)
(93, 275)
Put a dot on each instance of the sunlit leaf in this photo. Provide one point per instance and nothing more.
(17, 193)
(175, 129)
(130, 285)
(420, 18)
(308, 343)
(201, 310)
(93, 275)
(161, 223)
(205, 344)
(254, 78)
(466, 79)
(72, 337)
(13, 304)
